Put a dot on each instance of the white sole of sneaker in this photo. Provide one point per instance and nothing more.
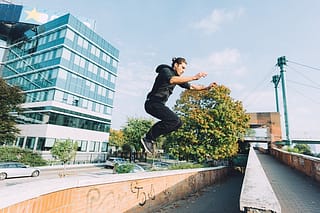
(145, 147)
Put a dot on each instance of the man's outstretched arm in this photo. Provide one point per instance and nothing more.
(185, 79)
(202, 87)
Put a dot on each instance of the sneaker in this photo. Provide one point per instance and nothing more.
(147, 144)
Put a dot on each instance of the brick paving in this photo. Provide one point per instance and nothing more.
(295, 191)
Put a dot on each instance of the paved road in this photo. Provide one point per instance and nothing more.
(220, 198)
(295, 191)
(50, 174)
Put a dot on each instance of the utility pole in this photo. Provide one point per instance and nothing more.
(276, 80)
(281, 62)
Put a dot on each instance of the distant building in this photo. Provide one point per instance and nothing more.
(68, 74)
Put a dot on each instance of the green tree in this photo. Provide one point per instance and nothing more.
(10, 99)
(116, 138)
(64, 151)
(213, 123)
(26, 156)
(301, 149)
(134, 131)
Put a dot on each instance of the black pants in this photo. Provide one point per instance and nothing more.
(169, 121)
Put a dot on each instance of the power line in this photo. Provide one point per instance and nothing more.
(304, 95)
(302, 84)
(305, 76)
(259, 84)
(303, 65)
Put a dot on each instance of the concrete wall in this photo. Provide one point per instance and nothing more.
(303, 163)
(138, 192)
(257, 194)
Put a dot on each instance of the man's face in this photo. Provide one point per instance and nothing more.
(180, 68)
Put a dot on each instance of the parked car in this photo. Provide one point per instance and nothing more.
(160, 165)
(137, 168)
(15, 169)
(129, 168)
(114, 160)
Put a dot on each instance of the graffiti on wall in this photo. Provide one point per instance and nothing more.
(95, 200)
(142, 194)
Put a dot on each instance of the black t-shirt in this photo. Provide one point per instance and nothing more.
(162, 88)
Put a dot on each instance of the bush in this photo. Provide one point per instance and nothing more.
(301, 149)
(185, 166)
(123, 168)
(16, 154)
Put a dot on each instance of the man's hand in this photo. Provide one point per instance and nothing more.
(213, 84)
(200, 75)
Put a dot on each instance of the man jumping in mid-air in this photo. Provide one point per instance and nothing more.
(167, 78)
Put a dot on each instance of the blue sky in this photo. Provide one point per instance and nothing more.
(236, 42)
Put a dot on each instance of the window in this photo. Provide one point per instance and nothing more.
(82, 146)
(112, 78)
(104, 147)
(66, 54)
(85, 103)
(97, 52)
(62, 74)
(99, 90)
(90, 85)
(108, 59)
(95, 69)
(90, 67)
(70, 34)
(104, 91)
(110, 94)
(52, 36)
(58, 53)
(41, 144)
(92, 146)
(93, 50)
(85, 44)
(82, 62)
(76, 59)
(90, 105)
(30, 142)
(80, 41)
(62, 33)
(20, 142)
(58, 96)
(48, 144)
(42, 40)
(97, 147)
(108, 110)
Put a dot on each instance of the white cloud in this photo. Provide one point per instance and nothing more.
(133, 79)
(220, 62)
(133, 83)
(213, 22)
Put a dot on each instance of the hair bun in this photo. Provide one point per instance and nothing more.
(174, 59)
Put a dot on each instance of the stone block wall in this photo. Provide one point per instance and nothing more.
(303, 163)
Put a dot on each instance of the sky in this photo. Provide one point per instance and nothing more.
(237, 42)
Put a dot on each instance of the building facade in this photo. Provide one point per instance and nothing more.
(68, 74)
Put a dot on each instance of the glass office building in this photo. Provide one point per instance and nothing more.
(68, 74)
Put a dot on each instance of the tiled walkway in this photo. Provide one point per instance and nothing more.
(295, 191)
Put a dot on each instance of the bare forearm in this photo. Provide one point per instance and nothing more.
(202, 87)
(181, 79)
(185, 79)
(199, 87)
